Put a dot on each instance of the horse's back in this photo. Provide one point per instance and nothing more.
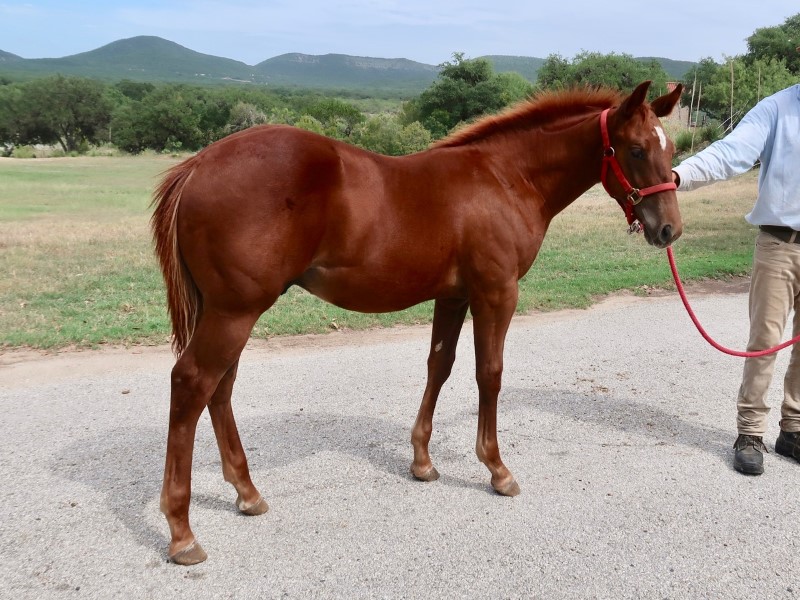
(264, 165)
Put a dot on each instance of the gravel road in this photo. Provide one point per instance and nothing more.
(617, 421)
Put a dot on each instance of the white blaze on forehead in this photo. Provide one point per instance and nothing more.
(661, 137)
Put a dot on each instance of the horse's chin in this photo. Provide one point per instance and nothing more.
(653, 240)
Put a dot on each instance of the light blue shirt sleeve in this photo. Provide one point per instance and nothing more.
(734, 154)
(769, 133)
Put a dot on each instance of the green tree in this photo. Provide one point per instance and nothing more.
(620, 71)
(69, 111)
(464, 90)
(129, 131)
(214, 111)
(309, 123)
(135, 90)
(555, 73)
(780, 43)
(244, 115)
(472, 72)
(414, 138)
(168, 118)
(12, 124)
(514, 87)
(282, 116)
(338, 118)
(385, 134)
(699, 77)
(752, 81)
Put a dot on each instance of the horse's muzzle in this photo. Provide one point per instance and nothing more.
(664, 236)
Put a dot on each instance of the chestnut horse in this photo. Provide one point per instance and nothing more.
(460, 223)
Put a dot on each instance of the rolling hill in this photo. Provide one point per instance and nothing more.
(346, 72)
(6, 57)
(143, 58)
(526, 66)
(674, 68)
(154, 59)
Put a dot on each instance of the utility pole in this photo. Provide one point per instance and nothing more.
(758, 94)
(696, 116)
(731, 122)
(691, 103)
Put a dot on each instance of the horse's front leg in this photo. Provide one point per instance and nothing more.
(492, 312)
(448, 318)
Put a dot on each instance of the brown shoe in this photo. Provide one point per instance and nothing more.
(748, 457)
(788, 444)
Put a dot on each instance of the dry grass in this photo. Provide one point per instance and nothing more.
(78, 268)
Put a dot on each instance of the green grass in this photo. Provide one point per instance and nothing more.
(75, 252)
(78, 268)
(586, 253)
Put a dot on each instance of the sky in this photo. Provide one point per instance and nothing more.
(427, 31)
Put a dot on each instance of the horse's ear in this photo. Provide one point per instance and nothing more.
(663, 105)
(635, 100)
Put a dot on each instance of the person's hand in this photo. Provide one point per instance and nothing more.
(675, 178)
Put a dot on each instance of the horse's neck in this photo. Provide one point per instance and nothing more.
(560, 163)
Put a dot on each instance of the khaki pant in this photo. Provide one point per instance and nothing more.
(774, 293)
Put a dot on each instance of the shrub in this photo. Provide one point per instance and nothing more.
(683, 141)
(386, 135)
(712, 133)
(23, 152)
(309, 123)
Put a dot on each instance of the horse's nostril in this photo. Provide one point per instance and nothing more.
(666, 233)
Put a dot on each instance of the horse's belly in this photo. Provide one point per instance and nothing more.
(375, 292)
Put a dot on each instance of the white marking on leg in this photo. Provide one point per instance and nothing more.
(438, 347)
(662, 137)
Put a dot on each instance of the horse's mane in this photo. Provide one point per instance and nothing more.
(543, 107)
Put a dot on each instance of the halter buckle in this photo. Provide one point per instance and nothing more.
(634, 196)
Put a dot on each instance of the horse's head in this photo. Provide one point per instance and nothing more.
(637, 164)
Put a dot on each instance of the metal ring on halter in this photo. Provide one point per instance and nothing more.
(635, 227)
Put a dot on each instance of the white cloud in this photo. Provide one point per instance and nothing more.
(19, 10)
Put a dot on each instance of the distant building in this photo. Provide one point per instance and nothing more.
(680, 114)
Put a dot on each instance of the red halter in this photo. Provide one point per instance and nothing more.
(633, 195)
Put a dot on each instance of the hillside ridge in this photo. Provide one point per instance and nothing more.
(154, 59)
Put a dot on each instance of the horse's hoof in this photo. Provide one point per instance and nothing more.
(430, 475)
(191, 555)
(259, 507)
(509, 489)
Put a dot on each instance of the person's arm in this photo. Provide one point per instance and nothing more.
(734, 154)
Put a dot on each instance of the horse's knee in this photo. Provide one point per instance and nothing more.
(490, 377)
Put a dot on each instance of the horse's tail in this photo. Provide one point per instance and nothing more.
(184, 301)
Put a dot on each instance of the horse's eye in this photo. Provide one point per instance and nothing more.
(637, 153)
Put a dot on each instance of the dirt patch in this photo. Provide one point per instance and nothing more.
(735, 285)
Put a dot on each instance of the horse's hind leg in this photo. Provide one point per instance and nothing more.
(448, 317)
(215, 347)
(234, 461)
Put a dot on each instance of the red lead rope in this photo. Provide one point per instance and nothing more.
(702, 331)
